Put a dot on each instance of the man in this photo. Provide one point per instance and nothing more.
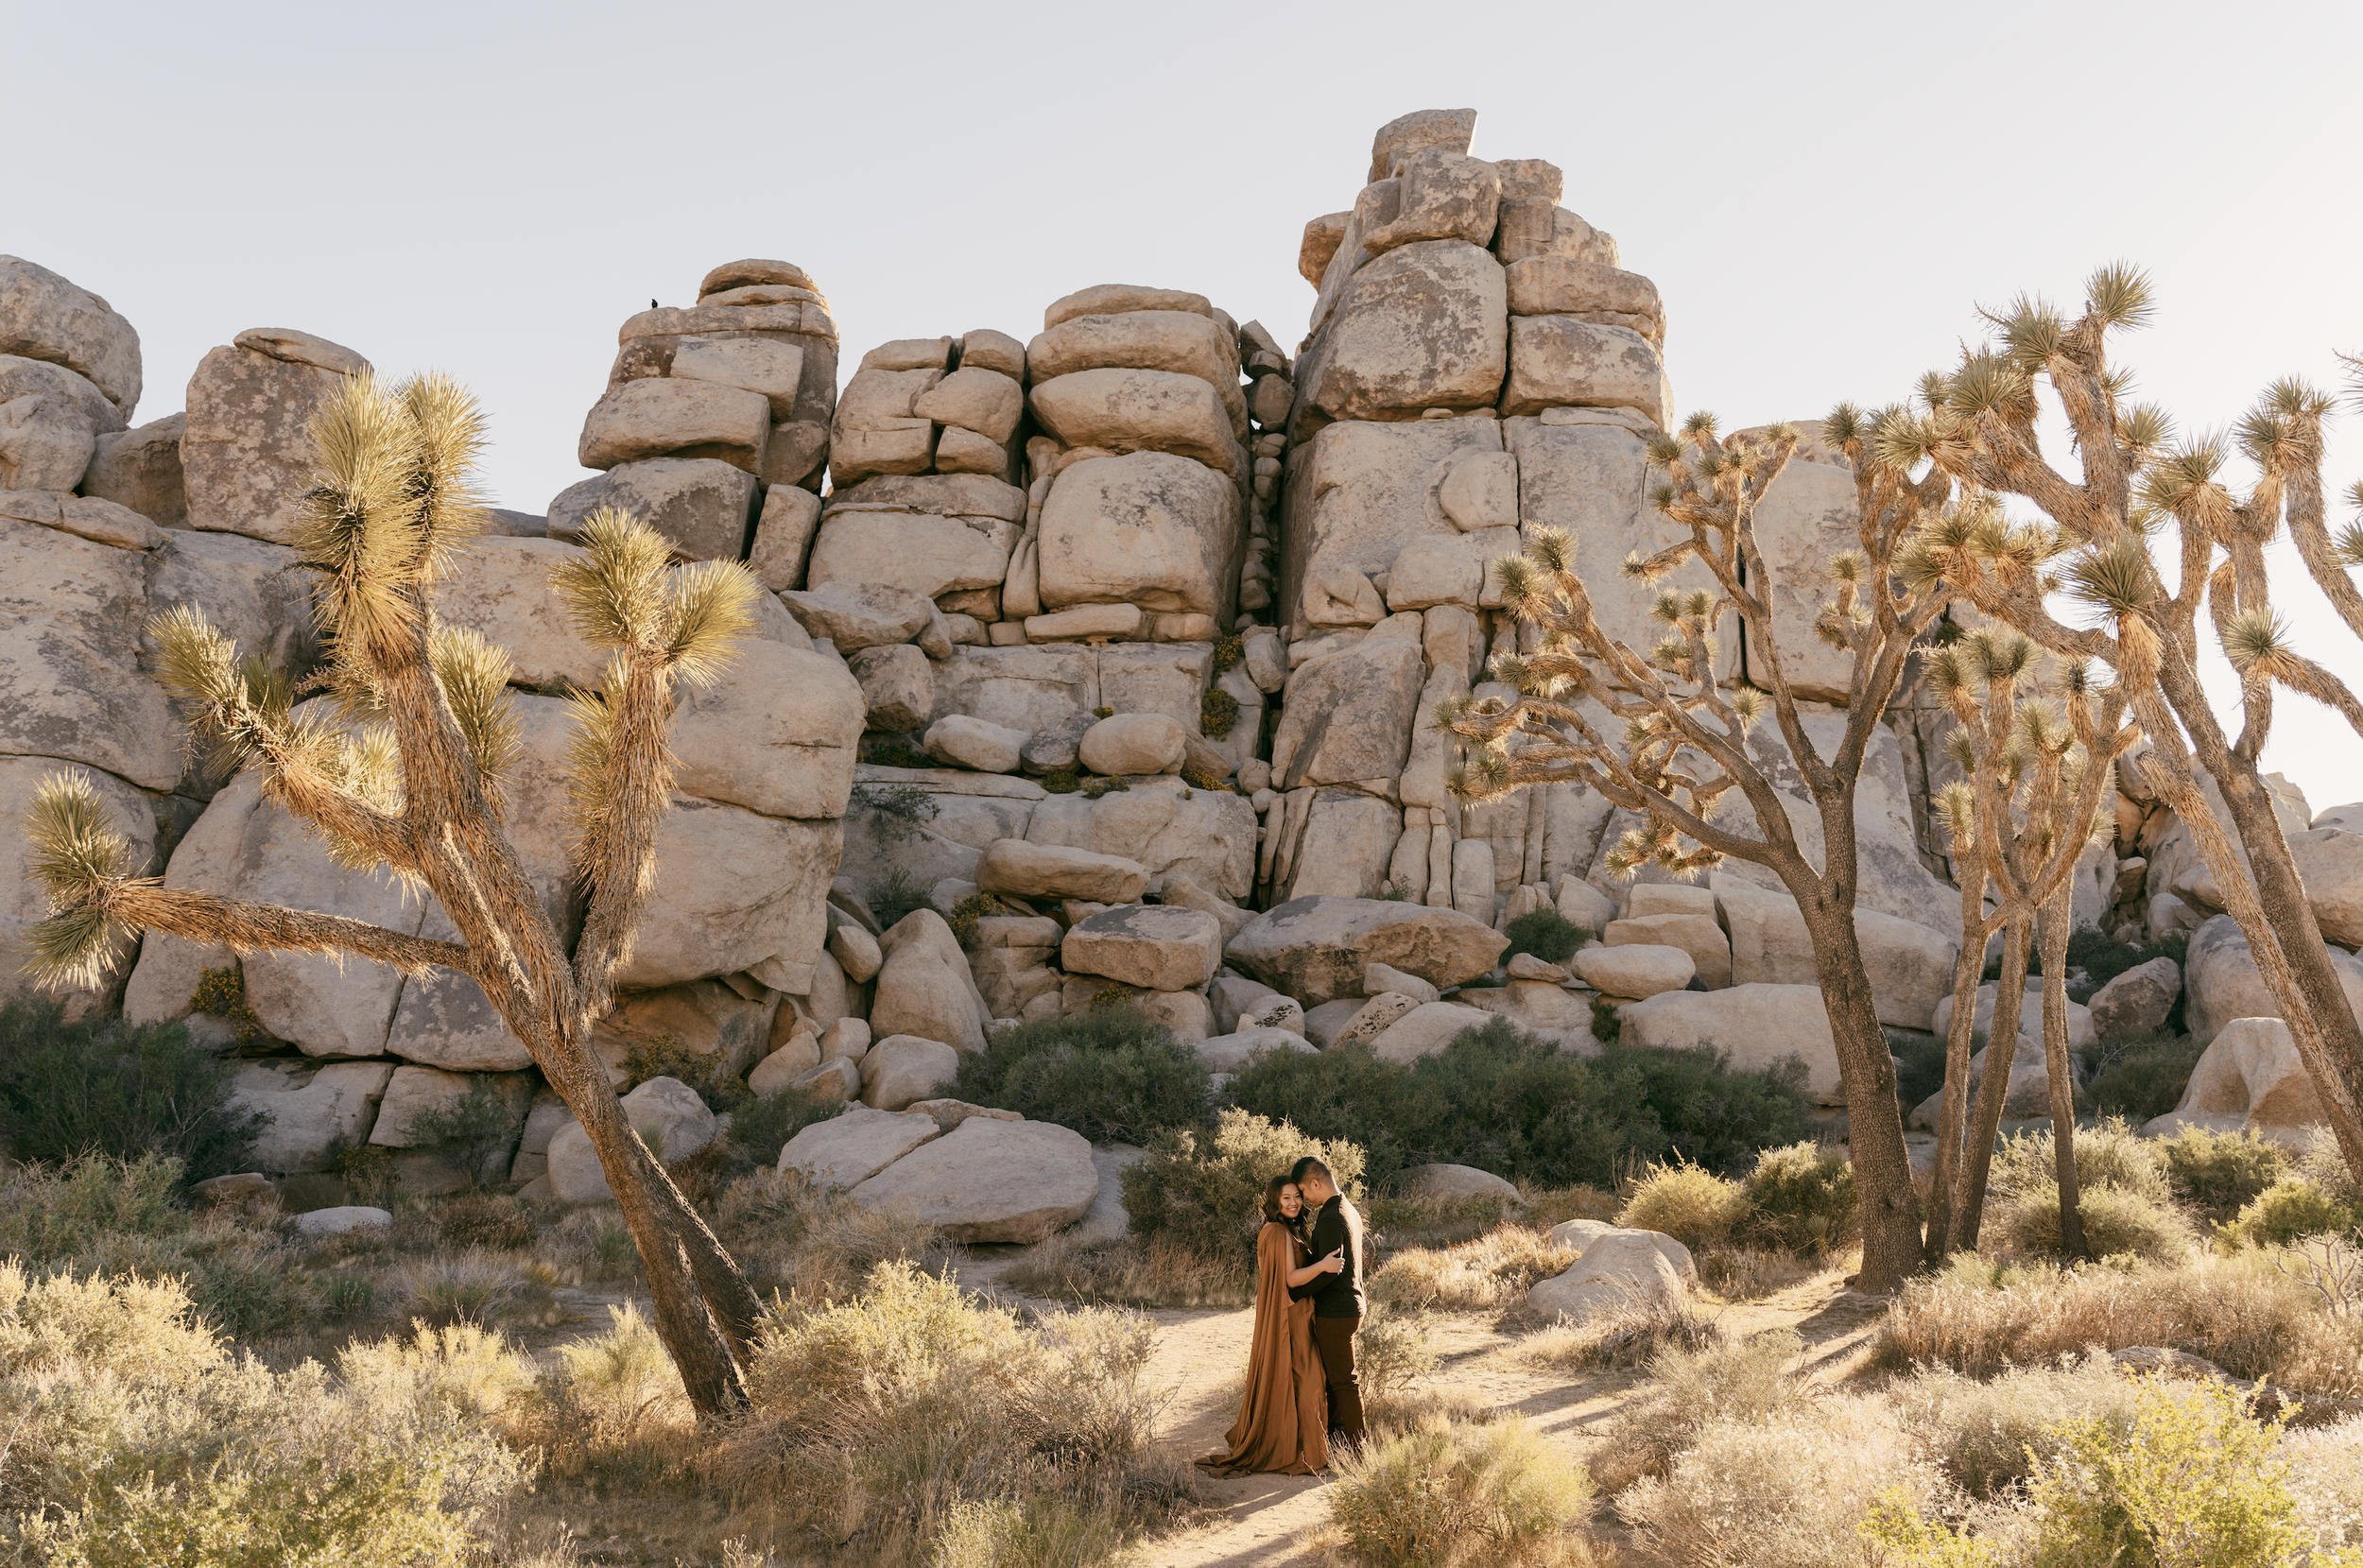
(1336, 1298)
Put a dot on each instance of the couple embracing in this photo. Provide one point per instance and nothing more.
(1301, 1398)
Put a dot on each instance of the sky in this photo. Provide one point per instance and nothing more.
(1824, 194)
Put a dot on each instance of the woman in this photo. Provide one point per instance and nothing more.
(1283, 1418)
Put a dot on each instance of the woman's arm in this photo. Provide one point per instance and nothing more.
(1330, 1265)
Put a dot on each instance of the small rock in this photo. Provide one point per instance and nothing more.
(833, 1082)
(782, 1067)
(1377, 979)
(1526, 966)
(246, 1187)
(1633, 970)
(1229, 1053)
(848, 1038)
(1129, 744)
(338, 1221)
(855, 951)
(902, 1068)
(1373, 1019)
(958, 741)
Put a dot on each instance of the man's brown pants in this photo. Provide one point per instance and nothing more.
(1333, 1339)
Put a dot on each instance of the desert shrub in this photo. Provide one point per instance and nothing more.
(1492, 1271)
(1113, 1074)
(486, 1219)
(880, 1417)
(1508, 1102)
(2117, 1223)
(1745, 1380)
(1201, 1191)
(1631, 1335)
(2187, 1478)
(2293, 1207)
(470, 1285)
(1392, 1351)
(2255, 1322)
(1128, 1272)
(1547, 934)
(459, 1370)
(2218, 1174)
(760, 1126)
(1988, 1437)
(1455, 1492)
(1217, 711)
(899, 894)
(138, 1439)
(68, 1091)
(1696, 1206)
(1784, 1492)
(477, 1130)
(2109, 1154)
(1800, 1199)
(2141, 1078)
(1920, 1069)
(2321, 1163)
(792, 1235)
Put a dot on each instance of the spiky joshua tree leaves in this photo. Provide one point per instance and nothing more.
(1979, 425)
(1654, 733)
(399, 766)
(2036, 773)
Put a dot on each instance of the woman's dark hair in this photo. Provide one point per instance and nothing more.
(1272, 1213)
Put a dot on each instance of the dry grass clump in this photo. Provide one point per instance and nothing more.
(1446, 1493)
(1987, 1437)
(801, 1239)
(1784, 1492)
(1629, 1335)
(1696, 1206)
(912, 1422)
(1743, 1381)
(2125, 1196)
(1980, 1318)
(1131, 1272)
(1492, 1271)
(131, 1425)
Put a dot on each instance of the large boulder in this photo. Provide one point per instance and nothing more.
(1362, 491)
(1426, 325)
(1909, 965)
(1426, 1030)
(2330, 864)
(2136, 1002)
(1757, 1026)
(1184, 342)
(1149, 528)
(1459, 1184)
(701, 505)
(855, 615)
(1315, 949)
(501, 588)
(670, 1119)
(47, 316)
(855, 1145)
(2251, 1079)
(1621, 1270)
(925, 988)
(1156, 947)
(1230, 1053)
(2081, 1031)
(1026, 869)
(141, 468)
(777, 734)
(902, 1069)
(50, 421)
(1577, 1235)
(245, 455)
(70, 616)
(1633, 970)
(314, 1110)
(920, 551)
(1124, 743)
(735, 892)
(2221, 981)
(990, 1180)
(1559, 360)
(1120, 410)
(662, 417)
(1348, 716)
(1698, 935)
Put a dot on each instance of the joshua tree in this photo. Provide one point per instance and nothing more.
(401, 767)
(1681, 743)
(2020, 821)
(1979, 425)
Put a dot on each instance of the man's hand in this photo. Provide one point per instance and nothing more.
(1334, 1264)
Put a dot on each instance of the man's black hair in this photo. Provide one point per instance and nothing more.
(1298, 1172)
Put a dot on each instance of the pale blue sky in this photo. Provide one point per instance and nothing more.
(1822, 194)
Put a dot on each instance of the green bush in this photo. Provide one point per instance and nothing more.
(2117, 1223)
(1922, 1070)
(1111, 1074)
(70, 1091)
(762, 1126)
(1217, 711)
(1547, 934)
(1446, 1491)
(2294, 1208)
(1696, 1206)
(2218, 1174)
(1507, 1102)
(478, 1131)
(1800, 1198)
(2323, 1164)
(2108, 1154)
(1201, 1191)
(2143, 1078)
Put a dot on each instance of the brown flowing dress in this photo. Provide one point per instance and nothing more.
(1283, 1419)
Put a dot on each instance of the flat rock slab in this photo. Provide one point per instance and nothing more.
(1155, 946)
(848, 1149)
(1315, 949)
(992, 1181)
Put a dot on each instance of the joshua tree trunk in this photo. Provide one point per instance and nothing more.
(1967, 962)
(2055, 1049)
(1994, 1086)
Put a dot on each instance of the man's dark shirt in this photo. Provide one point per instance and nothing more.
(1338, 1294)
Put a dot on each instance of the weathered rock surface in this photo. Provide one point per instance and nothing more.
(1633, 970)
(1349, 716)
(45, 317)
(1556, 361)
(1910, 965)
(245, 455)
(1156, 947)
(855, 615)
(1147, 528)
(311, 1109)
(1426, 1030)
(856, 1144)
(1696, 934)
(777, 734)
(925, 988)
(1315, 949)
(1425, 326)
(1458, 1183)
(1757, 1026)
(989, 1180)
(1230, 1053)
(1139, 411)
(668, 418)
(1621, 1270)
(2136, 1002)
(2250, 1078)
(735, 892)
(902, 1068)
(1054, 871)
(670, 1119)
(2221, 982)
(701, 505)
(1126, 744)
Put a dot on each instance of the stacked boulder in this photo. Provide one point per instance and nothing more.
(711, 409)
